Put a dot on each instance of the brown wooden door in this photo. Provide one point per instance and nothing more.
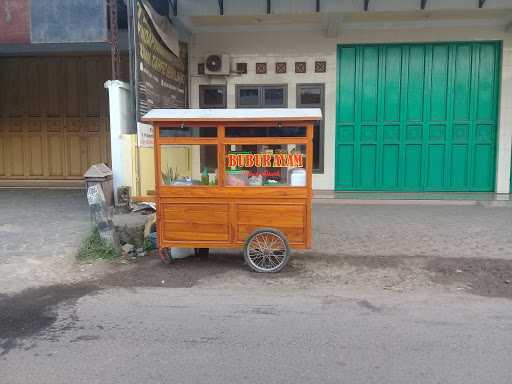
(53, 118)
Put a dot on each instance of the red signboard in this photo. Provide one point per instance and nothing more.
(14, 21)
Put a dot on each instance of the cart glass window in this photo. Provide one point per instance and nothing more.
(265, 165)
(188, 131)
(188, 164)
(280, 131)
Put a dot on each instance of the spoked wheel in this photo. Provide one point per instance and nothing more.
(165, 255)
(266, 250)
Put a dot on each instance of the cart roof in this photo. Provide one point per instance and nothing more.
(239, 114)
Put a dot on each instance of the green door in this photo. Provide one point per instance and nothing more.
(417, 117)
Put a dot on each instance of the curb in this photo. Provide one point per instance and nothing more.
(332, 201)
(495, 204)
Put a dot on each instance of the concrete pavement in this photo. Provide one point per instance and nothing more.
(40, 232)
(413, 230)
(41, 222)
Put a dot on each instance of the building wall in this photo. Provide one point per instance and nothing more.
(272, 47)
(146, 171)
(311, 45)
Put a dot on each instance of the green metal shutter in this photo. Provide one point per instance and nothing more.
(417, 117)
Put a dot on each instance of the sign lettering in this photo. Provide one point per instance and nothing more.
(265, 160)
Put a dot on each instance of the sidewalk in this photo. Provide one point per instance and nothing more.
(412, 198)
(412, 230)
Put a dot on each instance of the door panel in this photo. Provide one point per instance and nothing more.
(55, 156)
(74, 151)
(417, 117)
(392, 83)
(35, 154)
(17, 159)
(439, 83)
(369, 96)
(3, 155)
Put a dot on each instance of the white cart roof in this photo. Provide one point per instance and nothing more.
(239, 114)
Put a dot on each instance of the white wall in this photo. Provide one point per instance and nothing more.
(291, 46)
(505, 121)
(122, 145)
(271, 48)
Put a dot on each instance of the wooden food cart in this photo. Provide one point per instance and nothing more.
(228, 178)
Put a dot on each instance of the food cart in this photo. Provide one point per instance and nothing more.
(229, 178)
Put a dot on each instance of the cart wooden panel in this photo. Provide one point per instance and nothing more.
(223, 216)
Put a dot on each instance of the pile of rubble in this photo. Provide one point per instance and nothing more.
(128, 226)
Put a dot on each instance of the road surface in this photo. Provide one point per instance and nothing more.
(85, 334)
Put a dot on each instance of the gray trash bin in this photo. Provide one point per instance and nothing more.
(102, 175)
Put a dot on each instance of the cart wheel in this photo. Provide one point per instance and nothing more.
(165, 255)
(202, 252)
(266, 250)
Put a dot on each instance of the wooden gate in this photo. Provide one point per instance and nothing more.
(53, 118)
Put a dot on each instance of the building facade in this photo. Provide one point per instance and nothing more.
(416, 94)
(55, 58)
(413, 99)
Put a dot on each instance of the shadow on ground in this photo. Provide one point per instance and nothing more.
(33, 310)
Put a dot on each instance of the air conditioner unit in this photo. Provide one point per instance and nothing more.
(217, 65)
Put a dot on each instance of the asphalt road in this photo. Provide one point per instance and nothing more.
(263, 335)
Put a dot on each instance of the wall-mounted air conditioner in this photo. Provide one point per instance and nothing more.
(217, 65)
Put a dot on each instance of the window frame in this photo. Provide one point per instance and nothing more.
(321, 144)
(203, 87)
(201, 143)
(261, 95)
(221, 141)
(301, 141)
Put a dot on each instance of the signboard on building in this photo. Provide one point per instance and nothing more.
(161, 74)
(65, 21)
(145, 135)
(14, 22)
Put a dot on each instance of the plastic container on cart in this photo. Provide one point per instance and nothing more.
(298, 177)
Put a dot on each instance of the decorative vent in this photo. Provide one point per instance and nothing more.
(320, 66)
(300, 67)
(200, 69)
(281, 67)
(261, 68)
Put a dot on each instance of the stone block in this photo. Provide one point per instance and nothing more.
(131, 228)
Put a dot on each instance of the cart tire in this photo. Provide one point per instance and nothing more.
(266, 250)
(202, 252)
(165, 255)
